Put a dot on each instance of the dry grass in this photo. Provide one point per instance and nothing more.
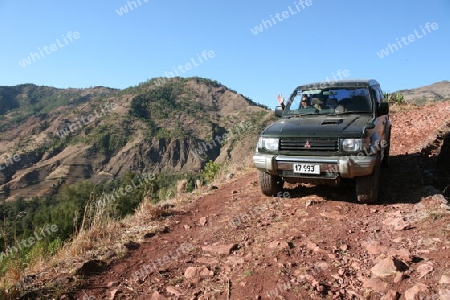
(102, 237)
(399, 107)
(12, 275)
(235, 168)
(148, 212)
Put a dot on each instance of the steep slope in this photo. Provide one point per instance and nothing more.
(101, 134)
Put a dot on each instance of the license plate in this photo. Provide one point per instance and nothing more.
(307, 169)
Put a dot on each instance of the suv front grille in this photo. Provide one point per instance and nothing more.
(309, 144)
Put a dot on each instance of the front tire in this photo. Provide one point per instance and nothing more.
(270, 185)
(367, 187)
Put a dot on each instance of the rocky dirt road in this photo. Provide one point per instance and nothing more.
(312, 242)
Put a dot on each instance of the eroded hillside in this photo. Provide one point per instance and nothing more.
(52, 137)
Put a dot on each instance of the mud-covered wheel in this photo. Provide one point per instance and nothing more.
(367, 187)
(270, 185)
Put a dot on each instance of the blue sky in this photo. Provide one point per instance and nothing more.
(309, 42)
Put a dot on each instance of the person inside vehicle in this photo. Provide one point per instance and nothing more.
(305, 101)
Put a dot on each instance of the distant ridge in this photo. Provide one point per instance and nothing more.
(438, 91)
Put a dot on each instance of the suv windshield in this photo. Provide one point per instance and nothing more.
(329, 101)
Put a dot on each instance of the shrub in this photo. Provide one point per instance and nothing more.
(210, 170)
(395, 98)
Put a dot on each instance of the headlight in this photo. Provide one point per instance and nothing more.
(269, 144)
(351, 145)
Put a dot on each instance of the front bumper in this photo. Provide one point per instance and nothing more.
(331, 167)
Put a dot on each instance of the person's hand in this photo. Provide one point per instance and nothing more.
(280, 99)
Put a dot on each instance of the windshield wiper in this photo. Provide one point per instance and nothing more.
(301, 115)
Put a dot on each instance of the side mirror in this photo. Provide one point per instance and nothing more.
(368, 127)
(383, 109)
(278, 111)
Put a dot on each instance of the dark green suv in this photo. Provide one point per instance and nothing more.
(341, 131)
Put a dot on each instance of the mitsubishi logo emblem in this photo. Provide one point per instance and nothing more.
(307, 145)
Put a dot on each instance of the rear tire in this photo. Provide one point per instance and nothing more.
(367, 187)
(270, 185)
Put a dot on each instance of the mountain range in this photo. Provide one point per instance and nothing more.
(50, 137)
